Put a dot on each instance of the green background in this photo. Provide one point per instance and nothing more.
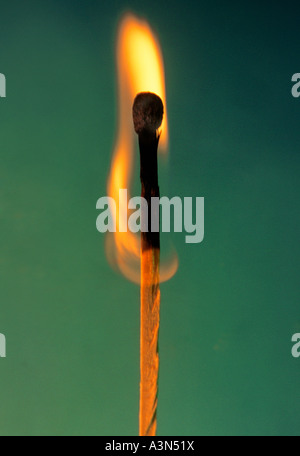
(71, 323)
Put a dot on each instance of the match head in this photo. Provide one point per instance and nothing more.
(148, 112)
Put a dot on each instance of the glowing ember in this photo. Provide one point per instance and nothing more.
(140, 69)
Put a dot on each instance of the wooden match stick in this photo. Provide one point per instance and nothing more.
(148, 111)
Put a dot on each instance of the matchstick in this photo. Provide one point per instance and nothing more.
(148, 113)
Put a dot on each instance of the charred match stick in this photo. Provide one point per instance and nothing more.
(148, 111)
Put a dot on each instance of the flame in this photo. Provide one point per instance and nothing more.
(140, 69)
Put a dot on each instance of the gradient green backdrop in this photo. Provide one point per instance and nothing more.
(71, 323)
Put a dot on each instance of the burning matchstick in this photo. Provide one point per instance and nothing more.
(148, 111)
(140, 68)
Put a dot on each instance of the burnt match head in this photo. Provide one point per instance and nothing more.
(148, 112)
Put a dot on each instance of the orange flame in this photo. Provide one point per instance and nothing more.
(140, 69)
